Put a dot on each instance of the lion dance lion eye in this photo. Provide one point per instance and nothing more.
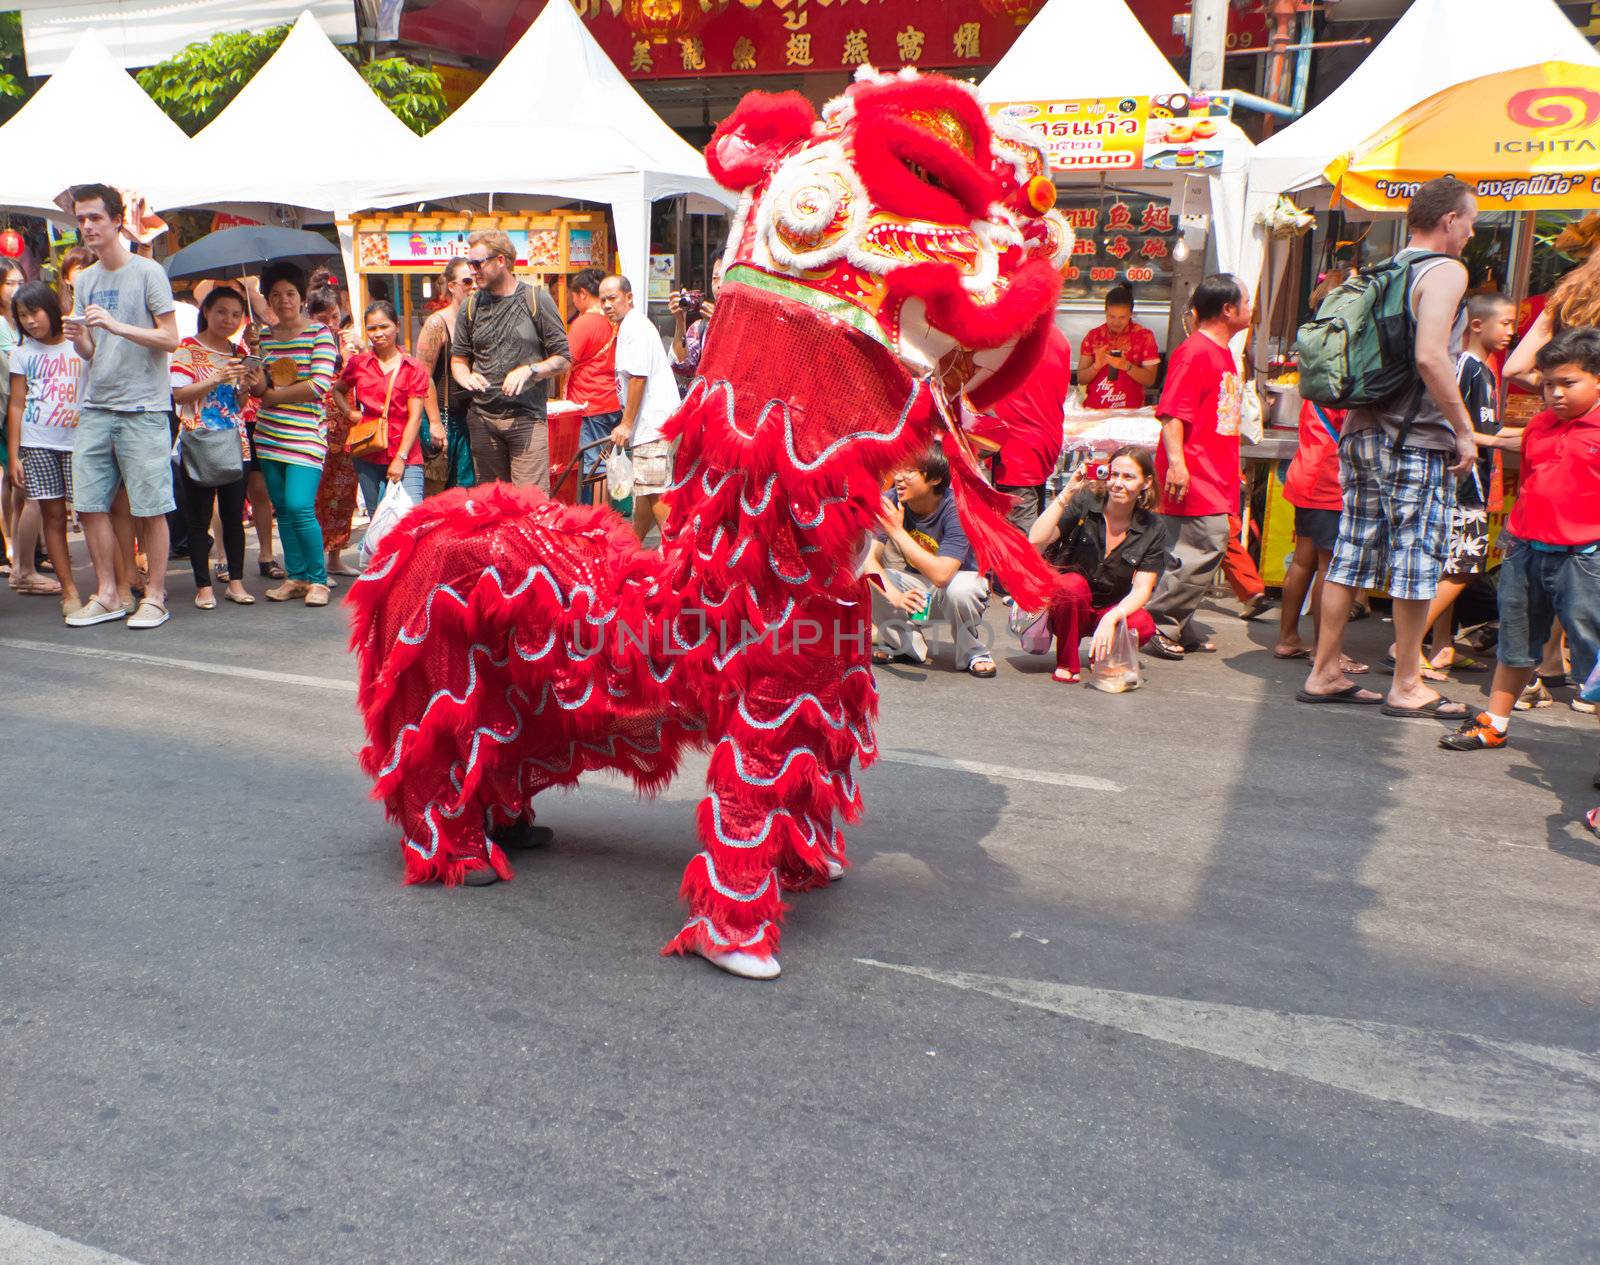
(1042, 194)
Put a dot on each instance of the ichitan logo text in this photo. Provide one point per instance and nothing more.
(1553, 109)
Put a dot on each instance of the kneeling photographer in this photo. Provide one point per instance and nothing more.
(1111, 547)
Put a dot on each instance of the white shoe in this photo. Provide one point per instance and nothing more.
(835, 871)
(747, 965)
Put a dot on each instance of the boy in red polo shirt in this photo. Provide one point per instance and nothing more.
(1552, 541)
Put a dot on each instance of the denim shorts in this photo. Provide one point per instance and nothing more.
(132, 448)
(1537, 588)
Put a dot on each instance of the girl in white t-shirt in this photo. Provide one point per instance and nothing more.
(46, 378)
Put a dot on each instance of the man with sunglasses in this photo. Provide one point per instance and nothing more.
(509, 342)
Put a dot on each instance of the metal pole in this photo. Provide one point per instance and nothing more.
(1208, 43)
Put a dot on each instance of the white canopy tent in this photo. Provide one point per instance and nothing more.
(361, 142)
(556, 118)
(1437, 44)
(1076, 49)
(90, 122)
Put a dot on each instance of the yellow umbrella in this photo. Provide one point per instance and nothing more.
(1527, 139)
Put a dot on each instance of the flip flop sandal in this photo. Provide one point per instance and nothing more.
(272, 570)
(1303, 653)
(1462, 663)
(1351, 694)
(982, 668)
(1062, 677)
(220, 573)
(38, 586)
(1201, 647)
(1436, 710)
(1353, 667)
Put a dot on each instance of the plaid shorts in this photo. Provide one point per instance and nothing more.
(652, 466)
(48, 474)
(1395, 525)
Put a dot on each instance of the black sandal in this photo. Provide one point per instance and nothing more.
(272, 570)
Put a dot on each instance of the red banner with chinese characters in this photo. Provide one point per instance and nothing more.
(754, 37)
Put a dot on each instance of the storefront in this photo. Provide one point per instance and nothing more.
(1524, 140)
(400, 257)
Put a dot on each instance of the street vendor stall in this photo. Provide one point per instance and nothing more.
(556, 120)
(399, 257)
(1497, 113)
(1143, 167)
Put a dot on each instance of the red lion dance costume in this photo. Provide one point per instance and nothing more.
(884, 259)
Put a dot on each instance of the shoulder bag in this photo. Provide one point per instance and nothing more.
(369, 433)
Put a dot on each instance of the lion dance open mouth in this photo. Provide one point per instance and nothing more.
(885, 258)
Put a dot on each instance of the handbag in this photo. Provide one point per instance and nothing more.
(369, 435)
(1030, 628)
(212, 458)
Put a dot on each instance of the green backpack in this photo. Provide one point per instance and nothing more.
(1359, 349)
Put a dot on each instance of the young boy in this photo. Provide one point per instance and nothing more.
(1491, 321)
(1552, 543)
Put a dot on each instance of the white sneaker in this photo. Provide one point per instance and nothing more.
(745, 965)
(151, 614)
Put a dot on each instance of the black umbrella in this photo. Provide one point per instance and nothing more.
(244, 251)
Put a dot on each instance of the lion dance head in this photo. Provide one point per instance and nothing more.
(889, 256)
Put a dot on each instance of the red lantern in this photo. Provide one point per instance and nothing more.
(1019, 11)
(661, 20)
(11, 243)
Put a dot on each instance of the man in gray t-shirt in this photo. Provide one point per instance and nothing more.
(124, 324)
(509, 342)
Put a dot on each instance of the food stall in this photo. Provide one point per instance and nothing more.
(1535, 175)
(400, 257)
(1329, 191)
(1144, 168)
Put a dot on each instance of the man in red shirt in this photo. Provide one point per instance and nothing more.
(1552, 540)
(1197, 461)
(1119, 359)
(1034, 415)
(593, 380)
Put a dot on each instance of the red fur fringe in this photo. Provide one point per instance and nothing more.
(1029, 297)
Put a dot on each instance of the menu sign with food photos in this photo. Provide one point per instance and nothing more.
(1180, 132)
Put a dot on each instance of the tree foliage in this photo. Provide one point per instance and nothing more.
(195, 85)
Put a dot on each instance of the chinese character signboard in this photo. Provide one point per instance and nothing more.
(1174, 133)
(793, 36)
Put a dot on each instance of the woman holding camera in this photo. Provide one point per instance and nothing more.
(1106, 537)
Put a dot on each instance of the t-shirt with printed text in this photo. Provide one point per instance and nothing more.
(1111, 388)
(54, 374)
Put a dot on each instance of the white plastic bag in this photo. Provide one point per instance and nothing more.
(1117, 671)
(619, 475)
(394, 505)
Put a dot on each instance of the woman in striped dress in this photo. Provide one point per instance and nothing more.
(291, 434)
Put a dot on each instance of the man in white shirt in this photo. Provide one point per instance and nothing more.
(648, 395)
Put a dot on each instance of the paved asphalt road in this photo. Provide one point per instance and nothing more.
(1198, 974)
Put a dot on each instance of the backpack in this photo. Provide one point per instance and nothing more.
(1360, 347)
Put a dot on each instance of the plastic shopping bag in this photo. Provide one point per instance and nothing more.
(619, 475)
(1117, 671)
(1030, 628)
(394, 505)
